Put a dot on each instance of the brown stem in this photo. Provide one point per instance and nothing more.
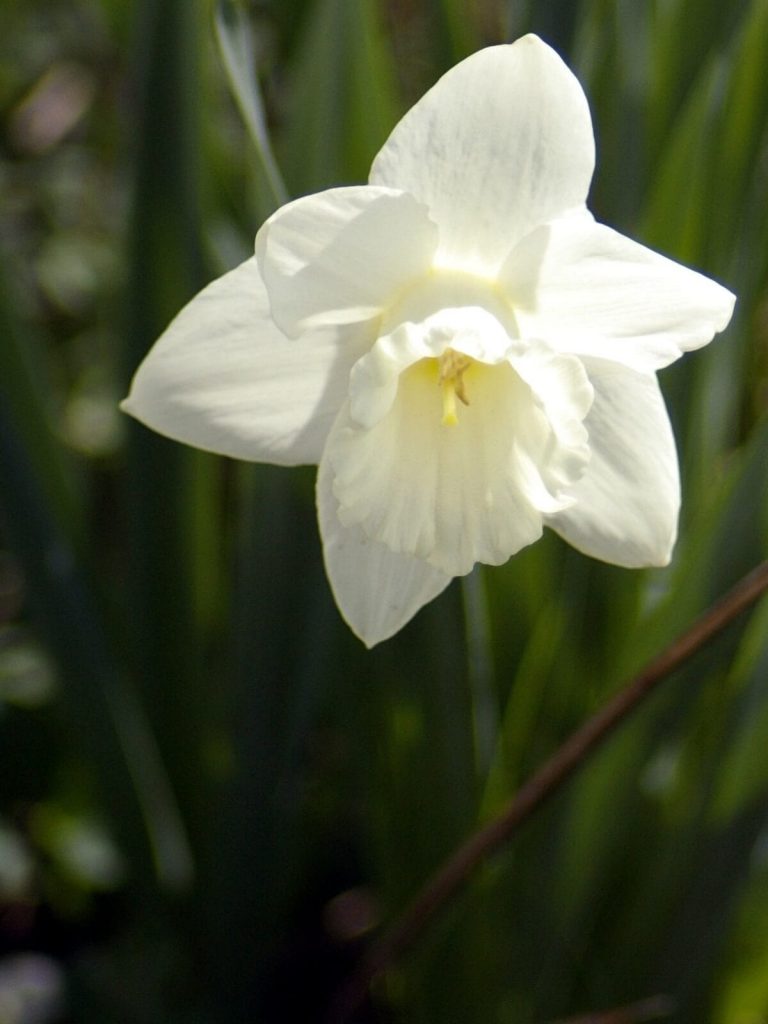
(455, 871)
(648, 1009)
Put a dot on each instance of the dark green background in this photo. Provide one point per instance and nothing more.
(196, 757)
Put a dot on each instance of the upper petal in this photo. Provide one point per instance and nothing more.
(590, 290)
(377, 591)
(340, 256)
(501, 143)
(224, 378)
(627, 502)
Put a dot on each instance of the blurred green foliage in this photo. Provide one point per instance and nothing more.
(210, 793)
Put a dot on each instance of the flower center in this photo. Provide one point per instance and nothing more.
(452, 325)
(451, 366)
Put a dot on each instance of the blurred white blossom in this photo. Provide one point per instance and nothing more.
(31, 989)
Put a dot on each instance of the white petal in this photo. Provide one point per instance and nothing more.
(451, 495)
(587, 289)
(501, 143)
(561, 389)
(377, 591)
(628, 500)
(223, 377)
(340, 256)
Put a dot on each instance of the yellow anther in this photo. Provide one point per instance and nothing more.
(451, 367)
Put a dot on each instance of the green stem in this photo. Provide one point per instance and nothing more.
(485, 712)
(233, 34)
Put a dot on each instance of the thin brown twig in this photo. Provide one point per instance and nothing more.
(455, 871)
(636, 1013)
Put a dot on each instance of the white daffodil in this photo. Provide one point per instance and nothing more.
(465, 353)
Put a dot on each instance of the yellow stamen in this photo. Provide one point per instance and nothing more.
(450, 419)
(451, 367)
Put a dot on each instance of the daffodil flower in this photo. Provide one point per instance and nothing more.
(466, 354)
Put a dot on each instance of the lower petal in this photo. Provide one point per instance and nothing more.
(224, 378)
(626, 504)
(376, 590)
(452, 495)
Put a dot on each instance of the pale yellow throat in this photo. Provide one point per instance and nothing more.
(450, 376)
